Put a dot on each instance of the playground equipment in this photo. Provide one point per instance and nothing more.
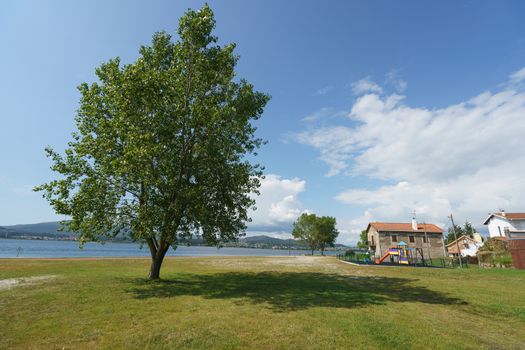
(402, 254)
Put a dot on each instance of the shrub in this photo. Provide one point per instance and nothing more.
(494, 253)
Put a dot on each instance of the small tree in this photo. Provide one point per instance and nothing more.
(160, 150)
(304, 230)
(458, 230)
(326, 233)
(467, 230)
(363, 240)
(317, 232)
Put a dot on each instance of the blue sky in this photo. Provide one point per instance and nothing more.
(378, 107)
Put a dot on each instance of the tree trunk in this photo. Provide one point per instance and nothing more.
(157, 257)
(322, 251)
(154, 271)
(312, 251)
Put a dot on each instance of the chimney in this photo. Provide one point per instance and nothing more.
(414, 224)
(503, 212)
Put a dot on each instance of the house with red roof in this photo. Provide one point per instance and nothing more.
(467, 246)
(502, 224)
(427, 238)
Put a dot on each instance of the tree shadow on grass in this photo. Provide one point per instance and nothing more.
(288, 291)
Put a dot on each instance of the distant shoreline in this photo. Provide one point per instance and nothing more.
(67, 249)
(166, 258)
(52, 239)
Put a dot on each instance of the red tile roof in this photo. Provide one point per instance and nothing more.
(508, 216)
(512, 216)
(404, 227)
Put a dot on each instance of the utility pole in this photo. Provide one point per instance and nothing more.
(427, 241)
(456, 238)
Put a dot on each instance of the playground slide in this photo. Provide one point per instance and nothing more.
(380, 260)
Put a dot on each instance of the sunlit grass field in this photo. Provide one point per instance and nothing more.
(258, 303)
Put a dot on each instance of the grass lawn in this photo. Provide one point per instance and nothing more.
(258, 303)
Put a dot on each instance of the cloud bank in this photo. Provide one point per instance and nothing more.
(467, 158)
(277, 206)
(365, 85)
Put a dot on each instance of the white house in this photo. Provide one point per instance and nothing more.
(467, 246)
(501, 222)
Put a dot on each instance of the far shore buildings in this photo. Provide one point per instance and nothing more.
(502, 224)
(467, 246)
(428, 238)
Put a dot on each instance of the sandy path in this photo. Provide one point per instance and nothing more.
(24, 281)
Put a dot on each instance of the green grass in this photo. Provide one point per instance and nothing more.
(259, 303)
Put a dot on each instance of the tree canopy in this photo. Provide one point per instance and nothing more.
(162, 144)
(317, 232)
(467, 230)
(363, 240)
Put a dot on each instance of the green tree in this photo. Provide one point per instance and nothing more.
(363, 240)
(326, 232)
(450, 236)
(304, 230)
(317, 232)
(467, 230)
(161, 146)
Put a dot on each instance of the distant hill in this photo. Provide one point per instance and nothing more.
(268, 240)
(39, 228)
(43, 229)
(265, 241)
(50, 230)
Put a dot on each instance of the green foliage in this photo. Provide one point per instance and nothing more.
(495, 245)
(317, 232)
(326, 232)
(363, 240)
(304, 230)
(503, 260)
(161, 144)
(495, 253)
(450, 236)
(466, 230)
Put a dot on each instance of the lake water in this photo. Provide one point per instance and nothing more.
(25, 248)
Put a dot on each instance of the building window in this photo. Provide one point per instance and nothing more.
(411, 239)
(394, 238)
(373, 243)
(499, 229)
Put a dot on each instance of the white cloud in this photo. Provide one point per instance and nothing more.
(518, 76)
(350, 230)
(324, 113)
(324, 90)
(365, 85)
(393, 79)
(466, 158)
(319, 114)
(328, 141)
(278, 205)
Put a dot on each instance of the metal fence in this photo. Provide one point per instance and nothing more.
(365, 259)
